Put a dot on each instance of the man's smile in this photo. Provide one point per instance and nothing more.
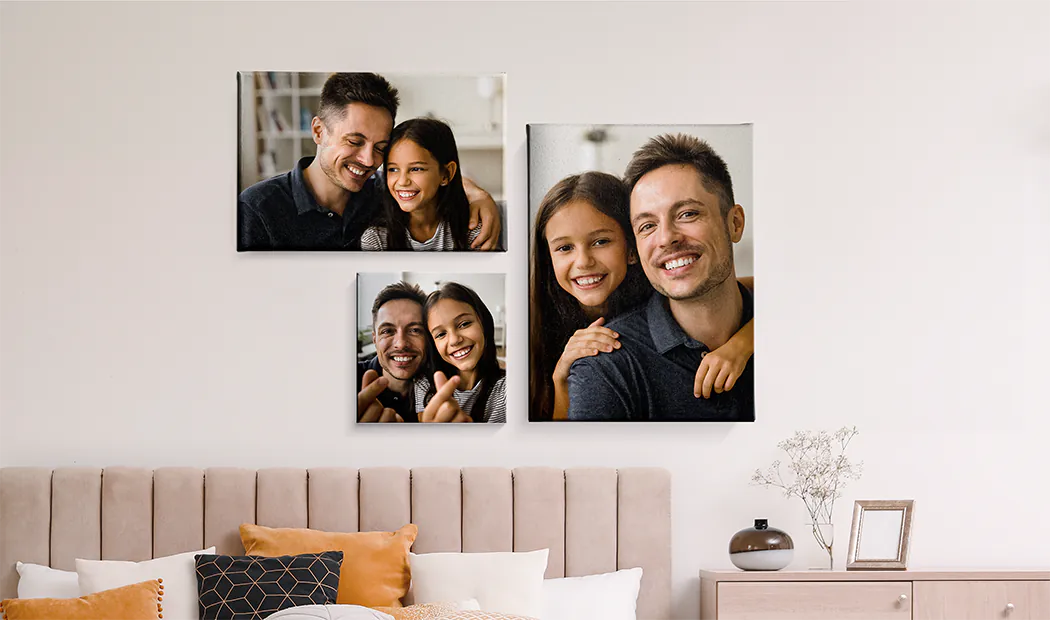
(678, 263)
(358, 171)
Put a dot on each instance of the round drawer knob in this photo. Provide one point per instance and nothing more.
(1009, 607)
(903, 598)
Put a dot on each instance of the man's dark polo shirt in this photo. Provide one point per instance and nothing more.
(403, 405)
(651, 376)
(280, 213)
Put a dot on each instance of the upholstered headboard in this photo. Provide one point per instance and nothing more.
(593, 520)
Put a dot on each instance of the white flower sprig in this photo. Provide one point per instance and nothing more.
(818, 470)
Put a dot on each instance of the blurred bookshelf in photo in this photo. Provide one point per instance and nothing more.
(277, 108)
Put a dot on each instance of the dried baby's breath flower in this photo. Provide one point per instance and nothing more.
(816, 472)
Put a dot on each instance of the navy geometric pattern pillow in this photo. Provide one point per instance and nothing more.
(234, 587)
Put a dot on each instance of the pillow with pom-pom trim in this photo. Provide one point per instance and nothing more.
(138, 601)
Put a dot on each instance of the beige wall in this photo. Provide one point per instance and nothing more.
(901, 179)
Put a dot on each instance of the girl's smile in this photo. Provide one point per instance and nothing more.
(459, 354)
(589, 282)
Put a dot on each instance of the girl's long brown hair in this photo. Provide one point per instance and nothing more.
(453, 207)
(488, 369)
(554, 314)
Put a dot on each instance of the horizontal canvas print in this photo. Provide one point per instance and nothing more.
(641, 274)
(370, 162)
(431, 348)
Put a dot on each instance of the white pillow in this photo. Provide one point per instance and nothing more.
(503, 582)
(609, 596)
(178, 571)
(38, 581)
(329, 612)
(349, 612)
(471, 604)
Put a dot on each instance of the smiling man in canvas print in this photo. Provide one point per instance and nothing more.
(430, 350)
(385, 383)
(328, 199)
(685, 223)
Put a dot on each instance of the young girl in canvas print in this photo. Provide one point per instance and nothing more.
(425, 207)
(461, 351)
(585, 273)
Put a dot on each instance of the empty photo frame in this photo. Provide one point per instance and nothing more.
(880, 535)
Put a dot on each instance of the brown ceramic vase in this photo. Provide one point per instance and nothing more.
(761, 548)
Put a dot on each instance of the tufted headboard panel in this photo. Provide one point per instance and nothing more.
(593, 520)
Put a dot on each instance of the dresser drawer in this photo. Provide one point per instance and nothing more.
(982, 600)
(864, 600)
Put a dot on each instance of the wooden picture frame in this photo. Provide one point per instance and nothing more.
(881, 535)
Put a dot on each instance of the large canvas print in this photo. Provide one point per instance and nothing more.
(431, 348)
(641, 273)
(370, 162)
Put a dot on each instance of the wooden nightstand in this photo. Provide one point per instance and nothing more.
(875, 595)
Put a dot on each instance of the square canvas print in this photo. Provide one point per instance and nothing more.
(641, 273)
(370, 162)
(431, 348)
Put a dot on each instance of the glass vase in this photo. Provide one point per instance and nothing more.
(824, 534)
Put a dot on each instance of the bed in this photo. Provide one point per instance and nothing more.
(593, 520)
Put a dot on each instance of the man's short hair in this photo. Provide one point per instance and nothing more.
(687, 150)
(342, 89)
(398, 290)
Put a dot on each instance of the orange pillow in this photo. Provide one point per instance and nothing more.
(138, 601)
(375, 570)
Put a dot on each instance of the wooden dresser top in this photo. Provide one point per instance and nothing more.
(878, 575)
